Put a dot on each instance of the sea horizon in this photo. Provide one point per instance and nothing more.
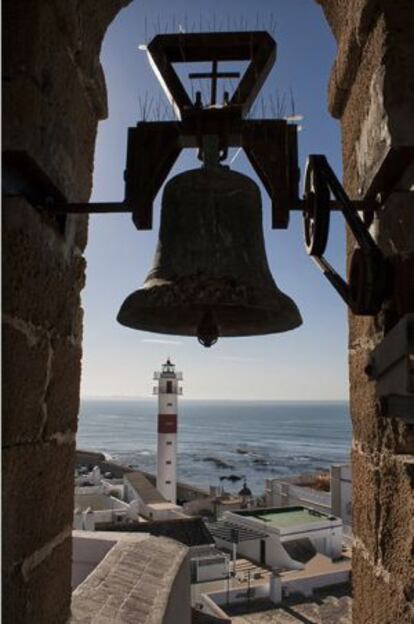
(254, 440)
(150, 397)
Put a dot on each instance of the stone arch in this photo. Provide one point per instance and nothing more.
(54, 95)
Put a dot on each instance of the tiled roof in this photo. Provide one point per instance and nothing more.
(132, 584)
(146, 491)
(188, 531)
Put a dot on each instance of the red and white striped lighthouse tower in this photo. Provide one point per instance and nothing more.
(168, 390)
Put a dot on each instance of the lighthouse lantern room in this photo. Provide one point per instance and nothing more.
(168, 389)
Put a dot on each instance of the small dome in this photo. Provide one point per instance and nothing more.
(245, 491)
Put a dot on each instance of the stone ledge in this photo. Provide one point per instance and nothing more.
(132, 584)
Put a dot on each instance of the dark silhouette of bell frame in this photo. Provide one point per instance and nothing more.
(270, 145)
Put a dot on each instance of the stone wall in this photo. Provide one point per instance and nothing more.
(372, 92)
(54, 94)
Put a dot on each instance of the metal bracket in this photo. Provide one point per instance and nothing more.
(370, 273)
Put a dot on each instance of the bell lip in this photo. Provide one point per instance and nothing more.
(134, 314)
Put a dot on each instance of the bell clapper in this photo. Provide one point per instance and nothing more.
(207, 330)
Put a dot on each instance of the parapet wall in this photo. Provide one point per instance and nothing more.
(372, 92)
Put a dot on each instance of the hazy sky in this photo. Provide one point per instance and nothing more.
(304, 364)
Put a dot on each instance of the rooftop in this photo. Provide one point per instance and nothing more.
(132, 584)
(332, 605)
(146, 491)
(188, 531)
(286, 517)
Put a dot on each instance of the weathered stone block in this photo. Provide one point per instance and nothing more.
(365, 508)
(45, 595)
(53, 574)
(357, 113)
(13, 604)
(368, 425)
(54, 122)
(62, 398)
(24, 385)
(38, 483)
(383, 512)
(37, 260)
(378, 598)
(396, 505)
(364, 332)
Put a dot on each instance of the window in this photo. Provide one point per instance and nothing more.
(168, 462)
(169, 387)
(168, 443)
(169, 404)
(168, 482)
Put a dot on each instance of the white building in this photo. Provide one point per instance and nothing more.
(280, 538)
(300, 490)
(168, 389)
(341, 492)
(92, 509)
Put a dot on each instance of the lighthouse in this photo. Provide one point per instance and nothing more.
(168, 389)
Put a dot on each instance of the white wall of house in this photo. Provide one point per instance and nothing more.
(276, 555)
(280, 493)
(116, 511)
(211, 569)
(341, 487)
(162, 511)
(86, 554)
(89, 548)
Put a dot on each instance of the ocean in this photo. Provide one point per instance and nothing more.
(254, 440)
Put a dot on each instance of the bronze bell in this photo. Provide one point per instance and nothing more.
(210, 275)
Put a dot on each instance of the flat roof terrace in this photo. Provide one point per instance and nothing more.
(286, 517)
